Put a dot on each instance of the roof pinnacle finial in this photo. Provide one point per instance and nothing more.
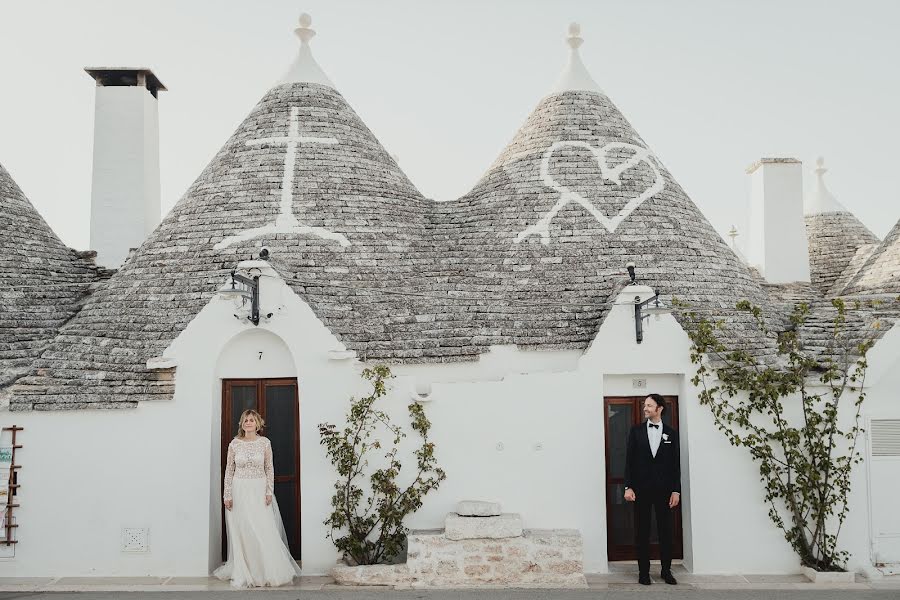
(305, 32)
(575, 40)
(575, 76)
(733, 234)
(305, 69)
(820, 200)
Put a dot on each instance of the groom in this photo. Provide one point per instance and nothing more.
(653, 481)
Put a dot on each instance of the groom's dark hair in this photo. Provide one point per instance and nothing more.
(659, 400)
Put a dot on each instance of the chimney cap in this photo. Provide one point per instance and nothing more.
(126, 76)
(768, 161)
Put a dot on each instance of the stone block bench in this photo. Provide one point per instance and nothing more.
(480, 551)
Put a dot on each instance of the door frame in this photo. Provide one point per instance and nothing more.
(227, 435)
(629, 552)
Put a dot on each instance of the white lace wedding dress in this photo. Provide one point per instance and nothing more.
(257, 545)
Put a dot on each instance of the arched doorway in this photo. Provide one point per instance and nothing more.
(257, 372)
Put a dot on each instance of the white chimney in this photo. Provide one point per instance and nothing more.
(777, 244)
(125, 183)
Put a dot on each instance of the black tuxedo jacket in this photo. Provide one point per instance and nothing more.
(646, 473)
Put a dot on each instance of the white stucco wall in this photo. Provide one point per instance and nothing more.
(523, 428)
(730, 481)
(89, 474)
(872, 530)
(535, 442)
(719, 483)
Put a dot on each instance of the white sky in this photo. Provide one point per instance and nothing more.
(710, 85)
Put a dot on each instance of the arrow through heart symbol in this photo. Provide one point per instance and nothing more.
(641, 154)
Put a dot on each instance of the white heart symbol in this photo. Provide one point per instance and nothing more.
(641, 154)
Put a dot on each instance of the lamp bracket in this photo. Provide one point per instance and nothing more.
(639, 316)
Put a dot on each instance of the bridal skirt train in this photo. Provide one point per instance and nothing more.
(258, 554)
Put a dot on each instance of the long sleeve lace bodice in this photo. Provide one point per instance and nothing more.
(249, 460)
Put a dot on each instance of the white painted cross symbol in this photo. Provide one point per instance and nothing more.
(286, 222)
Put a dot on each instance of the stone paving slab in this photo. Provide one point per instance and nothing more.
(25, 580)
(125, 581)
(314, 583)
(188, 581)
(797, 578)
(722, 579)
(808, 586)
(891, 583)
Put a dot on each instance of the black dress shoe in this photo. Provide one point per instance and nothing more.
(644, 579)
(668, 578)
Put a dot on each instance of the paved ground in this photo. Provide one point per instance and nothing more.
(620, 583)
(663, 591)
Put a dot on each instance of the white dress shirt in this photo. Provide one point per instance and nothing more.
(654, 434)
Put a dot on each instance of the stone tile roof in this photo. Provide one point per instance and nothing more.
(42, 282)
(881, 272)
(865, 321)
(852, 269)
(784, 296)
(833, 238)
(342, 190)
(396, 277)
(612, 201)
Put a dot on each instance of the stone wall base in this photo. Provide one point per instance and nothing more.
(551, 558)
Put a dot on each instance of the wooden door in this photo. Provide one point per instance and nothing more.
(277, 401)
(621, 414)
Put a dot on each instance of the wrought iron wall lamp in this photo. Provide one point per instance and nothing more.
(643, 310)
(249, 289)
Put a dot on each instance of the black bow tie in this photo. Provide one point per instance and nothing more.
(654, 426)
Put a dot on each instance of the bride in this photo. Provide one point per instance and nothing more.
(257, 543)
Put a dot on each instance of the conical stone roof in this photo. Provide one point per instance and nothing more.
(833, 233)
(42, 282)
(303, 176)
(833, 240)
(351, 218)
(881, 272)
(575, 196)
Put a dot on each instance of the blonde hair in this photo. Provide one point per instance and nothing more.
(256, 416)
